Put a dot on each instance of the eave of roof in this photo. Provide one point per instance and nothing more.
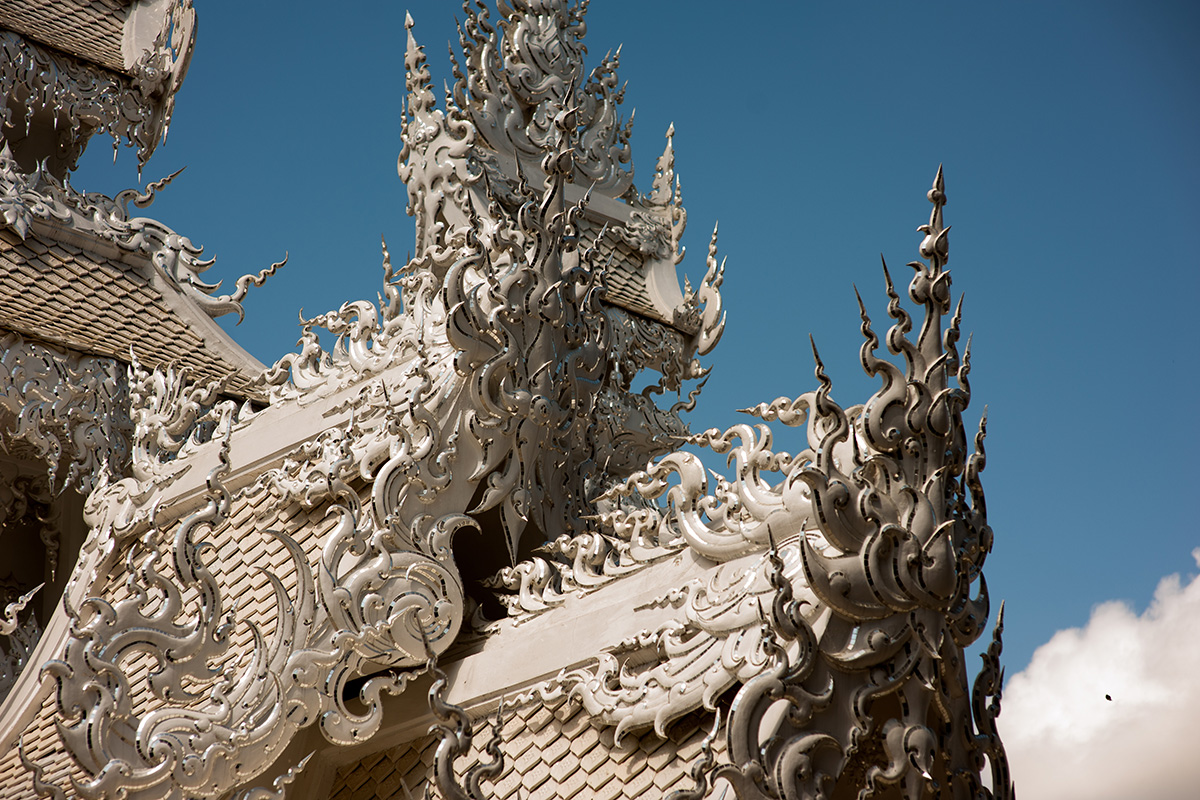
(66, 287)
(88, 29)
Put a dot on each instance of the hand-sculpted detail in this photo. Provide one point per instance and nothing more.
(985, 705)
(721, 637)
(408, 328)
(279, 786)
(884, 533)
(8, 620)
(42, 197)
(531, 336)
(830, 591)
(453, 729)
(437, 162)
(170, 417)
(378, 613)
(67, 408)
(137, 109)
(520, 78)
(19, 637)
(583, 563)
(666, 198)
(474, 386)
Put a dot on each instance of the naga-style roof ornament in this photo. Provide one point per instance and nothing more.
(466, 488)
(515, 78)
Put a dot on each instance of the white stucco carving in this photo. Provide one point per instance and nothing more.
(883, 533)
(18, 634)
(67, 408)
(40, 196)
(135, 107)
(830, 593)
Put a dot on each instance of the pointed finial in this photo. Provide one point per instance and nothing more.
(417, 80)
(937, 194)
(664, 171)
(816, 355)
(936, 243)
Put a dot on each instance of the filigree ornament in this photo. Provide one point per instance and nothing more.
(279, 786)
(221, 718)
(136, 107)
(452, 726)
(522, 76)
(68, 409)
(170, 417)
(722, 636)
(490, 389)
(8, 620)
(474, 386)
(19, 638)
(39, 196)
(884, 533)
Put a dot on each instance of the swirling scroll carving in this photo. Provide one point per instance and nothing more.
(136, 107)
(222, 718)
(67, 408)
(473, 386)
(40, 196)
(19, 637)
(883, 533)
(525, 71)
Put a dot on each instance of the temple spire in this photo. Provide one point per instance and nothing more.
(417, 81)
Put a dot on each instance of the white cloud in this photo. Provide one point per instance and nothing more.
(1065, 740)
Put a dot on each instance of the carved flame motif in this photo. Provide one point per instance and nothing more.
(884, 521)
(520, 78)
(491, 389)
(221, 719)
(67, 407)
(40, 196)
(475, 385)
(137, 109)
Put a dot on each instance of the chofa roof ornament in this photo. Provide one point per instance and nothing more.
(816, 605)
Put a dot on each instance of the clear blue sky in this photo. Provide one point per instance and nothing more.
(1070, 135)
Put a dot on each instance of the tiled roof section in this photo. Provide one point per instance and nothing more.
(551, 750)
(43, 748)
(626, 275)
(89, 29)
(243, 541)
(62, 294)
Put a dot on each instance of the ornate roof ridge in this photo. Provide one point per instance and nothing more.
(107, 227)
(514, 78)
(132, 100)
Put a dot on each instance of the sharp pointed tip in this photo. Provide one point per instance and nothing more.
(671, 129)
(408, 21)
